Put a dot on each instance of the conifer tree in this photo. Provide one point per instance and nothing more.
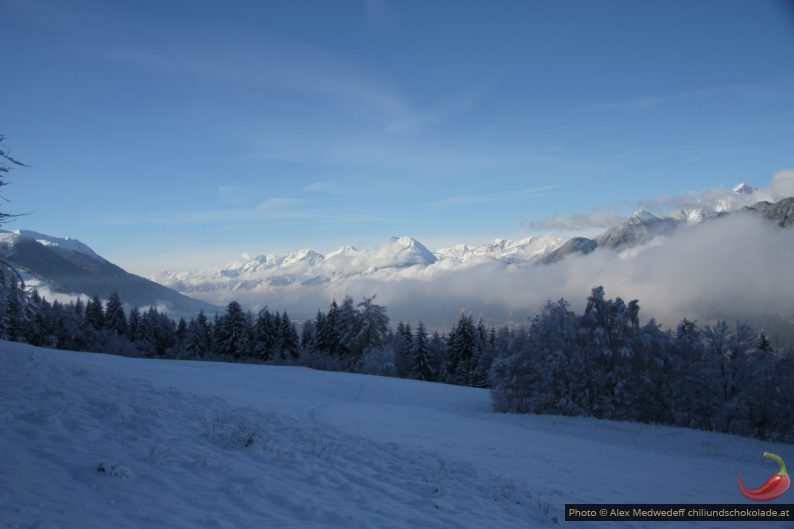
(115, 318)
(94, 313)
(233, 335)
(403, 350)
(462, 351)
(370, 328)
(421, 352)
(264, 339)
(133, 325)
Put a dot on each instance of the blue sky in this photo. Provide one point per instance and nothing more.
(181, 134)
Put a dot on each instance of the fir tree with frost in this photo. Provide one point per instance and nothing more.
(134, 324)
(372, 326)
(288, 339)
(403, 343)
(264, 336)
(463, 351)
(437, 355)
(346, 323)
(94, 313)
(198, 340)
(422, 367)
(308, 343)
(181, 331)
(115, 317)
(233, 334)
(15, 310)
(330, 332)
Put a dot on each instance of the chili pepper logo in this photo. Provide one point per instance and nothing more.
(774, 486)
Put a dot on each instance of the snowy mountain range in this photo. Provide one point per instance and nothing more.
(64, 268)
(405, 257)
(308, 267)
(501, 278)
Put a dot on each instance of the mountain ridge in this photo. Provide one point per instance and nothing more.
(66, 267)
(402, 255)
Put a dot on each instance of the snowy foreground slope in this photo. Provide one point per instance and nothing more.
(96, 441)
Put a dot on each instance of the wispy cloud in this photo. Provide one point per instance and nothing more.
(207, 216)
(266, 61)
(280, 204)
(599, 218)
(276, 209)
(505, 196)
(452, 105)
(234, 195)
(320, 186)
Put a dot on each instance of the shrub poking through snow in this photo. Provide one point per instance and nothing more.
(115, 471)
(230, 431)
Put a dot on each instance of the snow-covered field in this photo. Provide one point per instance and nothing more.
(96, 441)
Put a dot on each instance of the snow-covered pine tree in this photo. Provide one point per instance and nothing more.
(333, 331)
(133, 324)
(403, 350)
(347, 323)
(94, 313)
(233, 338)
(462, 350)
(483, 356)
(15, 310)
(115, 317)
(308, 345)
(181, 331)
(264, 336)
(198, 339)
(288, 337)
(371, 328)
(422, 367)
(437, 354)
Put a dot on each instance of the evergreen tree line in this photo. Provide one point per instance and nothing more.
(602, 363)
(94, 326)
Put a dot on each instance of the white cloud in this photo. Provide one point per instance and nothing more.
(279, 204)
(504, 196)
(234, 195)
(319, 186)
(262, 60)
(599, 218)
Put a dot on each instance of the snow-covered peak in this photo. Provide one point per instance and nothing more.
(261, 262)
(304, 256)
(265, 262)
(402, 251)
(63, 243)
(526, 249)
(743, 189)
(690, 216)
(642, 216)
(345, 251)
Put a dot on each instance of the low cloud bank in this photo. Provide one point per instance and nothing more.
(734, 267)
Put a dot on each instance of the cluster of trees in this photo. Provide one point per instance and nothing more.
(602, 363)
(358, 338)
(107, 327)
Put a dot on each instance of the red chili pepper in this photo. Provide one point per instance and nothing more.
(774, 486)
